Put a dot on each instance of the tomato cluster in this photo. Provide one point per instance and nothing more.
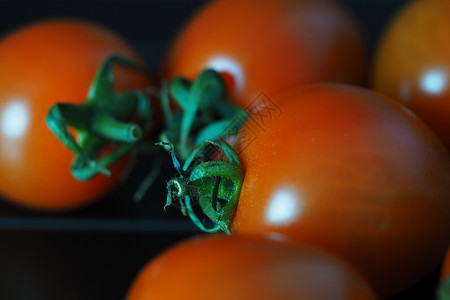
(329, 174)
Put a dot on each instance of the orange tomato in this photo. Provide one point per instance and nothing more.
(269, 45)
(412, 62)
(232, 267)
(41, 64)
(353, 172)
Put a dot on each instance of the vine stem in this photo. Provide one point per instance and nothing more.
(205, 111)
(216, 184)
(106, 118)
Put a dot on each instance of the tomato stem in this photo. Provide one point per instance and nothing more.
(105, 125)
(205, 111)
(215, 184)
(155, 168)
(104, 120)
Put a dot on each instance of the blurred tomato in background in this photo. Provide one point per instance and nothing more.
(270, 45)
(412, 62)
(44, 63)
(236, 267)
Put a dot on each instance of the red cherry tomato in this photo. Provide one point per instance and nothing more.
(41, 64)
(353, 172)
(412, 63)
(232, 267)
(270, 45)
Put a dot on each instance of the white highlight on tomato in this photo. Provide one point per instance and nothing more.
(14, 119)
(222, 63)
(284, 207)
(434, 81)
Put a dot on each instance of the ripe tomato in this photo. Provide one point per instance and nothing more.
(270, 45)
(412, 63)
(444, 284)
(351, 171)
(41, 64)
(232, 267)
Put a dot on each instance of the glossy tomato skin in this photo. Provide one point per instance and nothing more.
(412, 62)
(351, 171)
(270, 45)
(236, 267)
(44, 63)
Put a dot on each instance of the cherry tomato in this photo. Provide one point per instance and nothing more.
(412, 63)
(44, 63)
(351, 171)
(232, 267)
(444, 284)
(270, 45)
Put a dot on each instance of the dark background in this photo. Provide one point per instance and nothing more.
(95, 252)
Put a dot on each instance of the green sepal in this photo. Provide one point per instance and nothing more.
(106, 118)
(205, 111)
(214, 184)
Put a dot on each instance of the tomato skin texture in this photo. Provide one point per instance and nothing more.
(412, 62)
(232, 267)
(353, 172)
(44, 63)
(270, 46)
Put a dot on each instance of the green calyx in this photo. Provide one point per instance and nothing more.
(210, 172)
(443, 291)
(212, 176)
(205, 112)
(106, 118)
